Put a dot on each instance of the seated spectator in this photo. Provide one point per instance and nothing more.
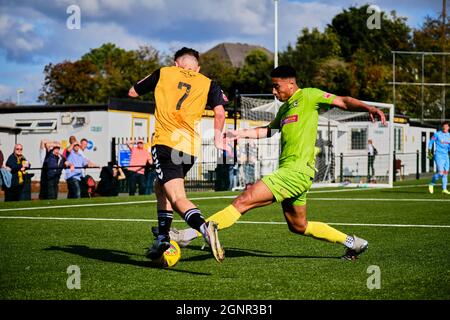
(52, 169)
(139, 159)
(109, 180)
(18, 165)
(76, 162)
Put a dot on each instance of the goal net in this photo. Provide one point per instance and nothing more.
(345, 156)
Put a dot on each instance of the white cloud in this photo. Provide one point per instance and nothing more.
(296, 16)
(35, 30)
(18, 38)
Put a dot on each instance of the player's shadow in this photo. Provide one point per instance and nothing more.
(238, 253)
(113, 256)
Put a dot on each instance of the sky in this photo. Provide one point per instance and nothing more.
(34, 33)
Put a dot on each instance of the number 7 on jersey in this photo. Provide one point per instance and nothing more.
(185, 95)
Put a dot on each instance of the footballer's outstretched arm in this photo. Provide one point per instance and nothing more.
(352, 104)
(252, 133)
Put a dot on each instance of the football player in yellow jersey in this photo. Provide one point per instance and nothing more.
(181, 95)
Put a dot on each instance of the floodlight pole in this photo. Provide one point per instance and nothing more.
(275, 59)
(19, 92)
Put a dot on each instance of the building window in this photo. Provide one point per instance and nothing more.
(37, 125)
(359, 138)
(398, 139)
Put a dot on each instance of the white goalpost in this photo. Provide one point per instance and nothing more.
(343, 157)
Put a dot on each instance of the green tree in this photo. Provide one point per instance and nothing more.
(333, 75)
(353, 34)
(222, 72)
(254, 76)
(311, 50)
(107, 71)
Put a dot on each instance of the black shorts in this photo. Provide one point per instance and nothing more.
(170, 163)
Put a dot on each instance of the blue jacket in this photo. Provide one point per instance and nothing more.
(53, 165)
(5, 178)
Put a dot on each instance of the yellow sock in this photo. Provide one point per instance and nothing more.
(320, 230)
(225, 218)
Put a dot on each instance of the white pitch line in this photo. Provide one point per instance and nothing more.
(194, 199)
(239, 222)
(380, 199)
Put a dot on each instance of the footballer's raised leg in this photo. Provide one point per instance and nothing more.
(296, 219)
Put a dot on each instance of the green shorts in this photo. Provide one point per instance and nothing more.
(288, 184)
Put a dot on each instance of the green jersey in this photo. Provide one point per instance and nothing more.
(297, 120)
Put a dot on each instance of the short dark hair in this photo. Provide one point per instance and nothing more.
(84, 139)
(444, 123)
(283, 72)
(189, 51)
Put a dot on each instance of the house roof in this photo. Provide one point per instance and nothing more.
(235, 53)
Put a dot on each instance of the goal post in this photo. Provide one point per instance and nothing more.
(342, 158)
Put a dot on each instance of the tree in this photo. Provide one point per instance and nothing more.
(333, 75)
(353, 34)
(107, 71)
(222, 72)
(254, 76)
(311, 50)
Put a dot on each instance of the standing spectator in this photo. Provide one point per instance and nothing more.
(76, 161)
(72, 141)
(18, 165)
(53, 165)
(372, 152)
(44, 149)
(249, 167)
(140, 157)
(83, 146)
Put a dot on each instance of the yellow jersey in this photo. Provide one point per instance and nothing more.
(181, 97)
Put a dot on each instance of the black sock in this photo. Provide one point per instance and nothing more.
(165, 218)
(194, 218)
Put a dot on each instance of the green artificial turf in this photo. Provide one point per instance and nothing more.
(263, 261)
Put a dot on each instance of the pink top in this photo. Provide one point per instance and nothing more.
(139, 157)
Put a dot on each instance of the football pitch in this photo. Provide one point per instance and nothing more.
(106, 238)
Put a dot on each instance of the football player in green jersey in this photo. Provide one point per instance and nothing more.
(297, 121)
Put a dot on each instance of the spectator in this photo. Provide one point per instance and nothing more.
(83, 145)
(52, 167)
(18, 165)
(44, 148)
(140, 157)
(76, 161)
(5, 174)
(372, 152)
(72, 141)
(109, 180)
(249, 167)
(2, 158)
